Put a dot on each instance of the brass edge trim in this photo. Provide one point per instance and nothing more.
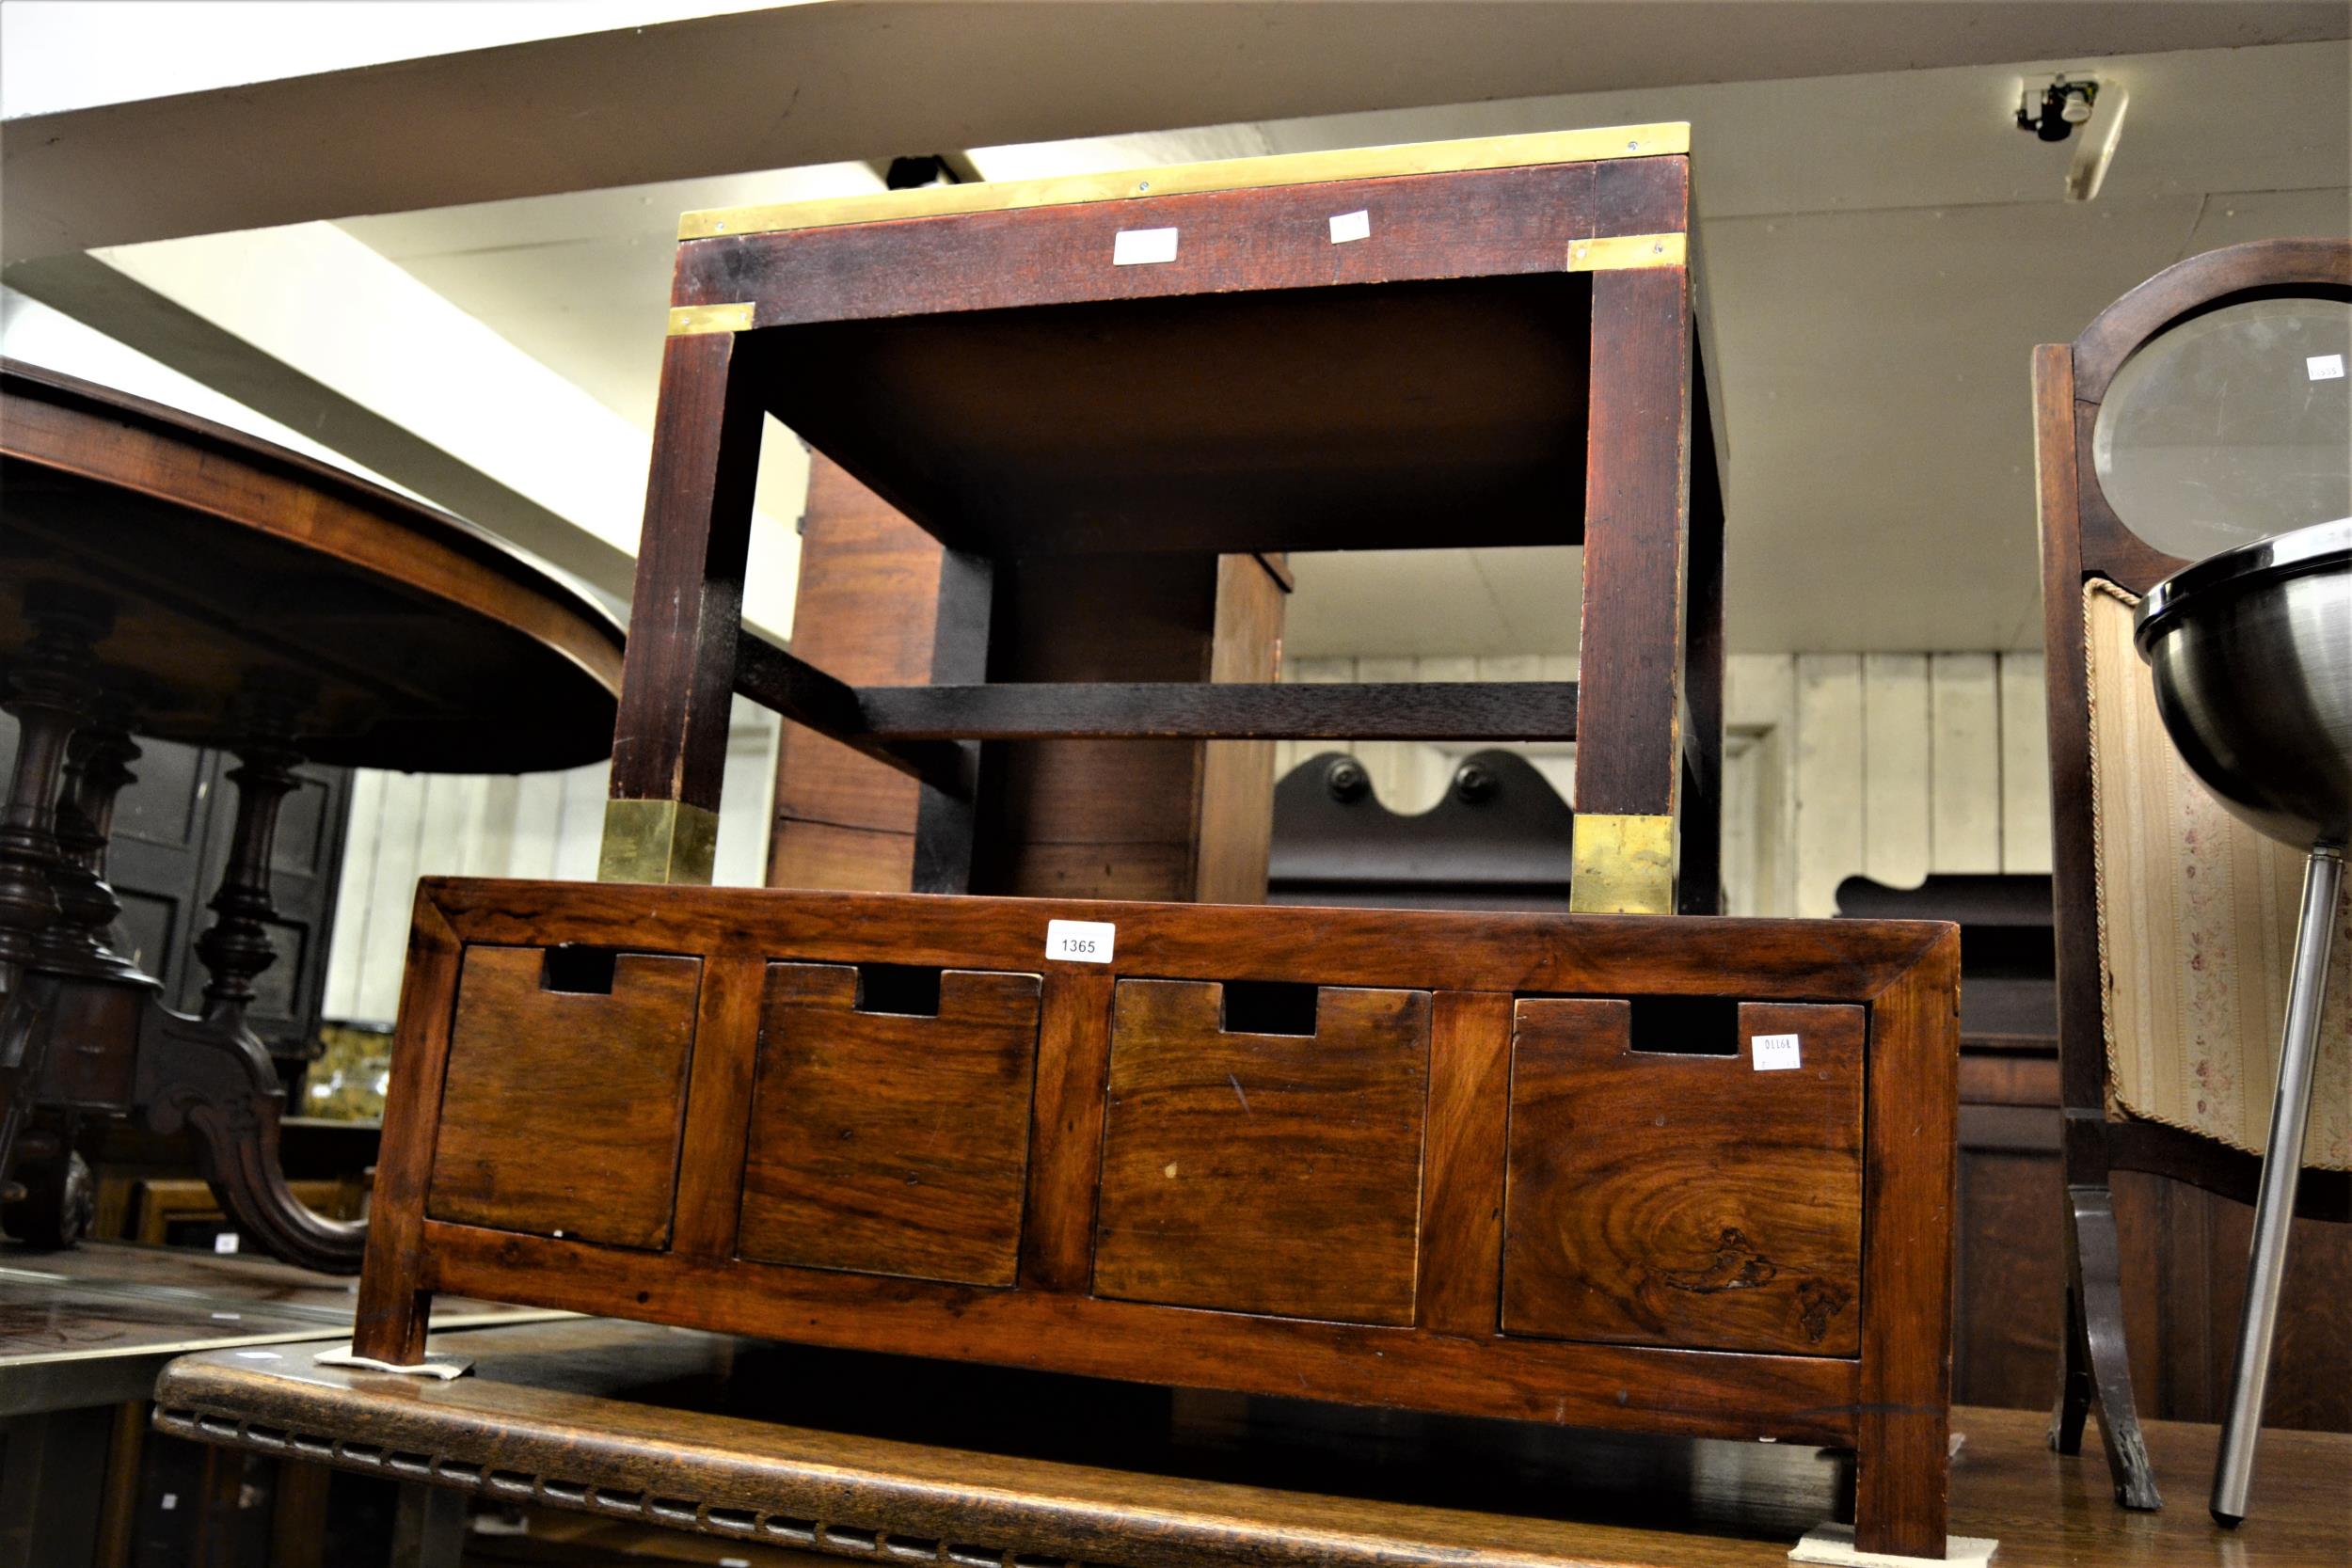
(687, 320)
(1622, 865)
(1225, 174)
(1618, 252)
(658, 841)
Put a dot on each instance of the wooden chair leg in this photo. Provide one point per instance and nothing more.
(2095, 1352)
(2074, 1400)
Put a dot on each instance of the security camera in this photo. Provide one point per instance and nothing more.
(2061, 103)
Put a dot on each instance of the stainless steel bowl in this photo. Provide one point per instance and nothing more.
(2251, 651)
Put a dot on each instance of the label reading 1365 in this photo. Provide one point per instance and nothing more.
(1079, 942)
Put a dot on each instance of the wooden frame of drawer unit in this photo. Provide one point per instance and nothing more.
(1397, 1216)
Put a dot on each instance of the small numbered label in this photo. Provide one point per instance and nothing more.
(1142, 247)
(1776, 1052)
(1079, 942)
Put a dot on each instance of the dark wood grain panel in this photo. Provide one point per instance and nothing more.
(1235, 825)
(1665, 1198)
(1412, 949)
(1266, 1173)
(389, 1323)
(1910, 1181)
(888, 1143)
(1441, 226)
(530, 1142)
(1066, 1127)
(1615, 1388)
(1461, 1208)
(1394, 710)
(679, 678)
(718, 1107)
(864, 611)
(1636, 519)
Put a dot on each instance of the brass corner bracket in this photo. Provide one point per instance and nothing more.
(687, 320)
(1619, 252)
(1622, 865)
(658, 841)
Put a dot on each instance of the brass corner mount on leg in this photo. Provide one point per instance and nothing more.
(1623, 865)
(658, 841)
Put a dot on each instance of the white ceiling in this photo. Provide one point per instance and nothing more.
(1880, 253)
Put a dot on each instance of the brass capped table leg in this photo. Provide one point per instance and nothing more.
(1623, 865)
(658, 841)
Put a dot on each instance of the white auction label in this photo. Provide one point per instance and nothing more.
(1350, 226)
(1776, 1052)
(225, 1242)
(1134, 248)
(2325, 367)
(1080, 941)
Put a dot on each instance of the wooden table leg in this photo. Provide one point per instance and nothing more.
(210, 1074)
(52, 685)
(669, 740)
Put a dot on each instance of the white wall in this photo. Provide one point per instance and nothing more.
(1892, 766)
(405, 825)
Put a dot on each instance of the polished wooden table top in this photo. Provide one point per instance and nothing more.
(93, 1325)
(429, 645)
(917, 1461)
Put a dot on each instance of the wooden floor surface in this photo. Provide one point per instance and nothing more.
(908, 1461)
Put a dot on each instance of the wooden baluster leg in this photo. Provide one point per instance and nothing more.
(98, 769)
(670, 739)
(210, 1074)
(50, 686)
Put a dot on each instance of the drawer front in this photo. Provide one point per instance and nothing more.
(562, 1110)
(892, 1143)
(1656, 1198)
(1263, 1172)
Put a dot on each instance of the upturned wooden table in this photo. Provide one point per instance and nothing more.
(899, 1460)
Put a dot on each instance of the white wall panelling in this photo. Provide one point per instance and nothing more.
(405, 825)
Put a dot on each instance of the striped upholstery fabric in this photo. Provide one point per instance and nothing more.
(2195, 928)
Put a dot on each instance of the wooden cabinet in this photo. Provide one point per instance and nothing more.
(1546, 1167)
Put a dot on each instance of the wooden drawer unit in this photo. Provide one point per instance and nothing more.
(1262, 1171)
(566, 1094)
(1661, 1191)
(890, 1141)
(1666, 1174)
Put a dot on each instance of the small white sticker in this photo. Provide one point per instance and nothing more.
(735, 1562)
(229, 1317)
(1080, 941)
(171, 1500)
(2325, 367)
(225, 1242)
(259, 1356)
(1135, 248)
(1350, 226)
(1776, 1052)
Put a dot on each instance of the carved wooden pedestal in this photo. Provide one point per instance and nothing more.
(1677, 1175)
